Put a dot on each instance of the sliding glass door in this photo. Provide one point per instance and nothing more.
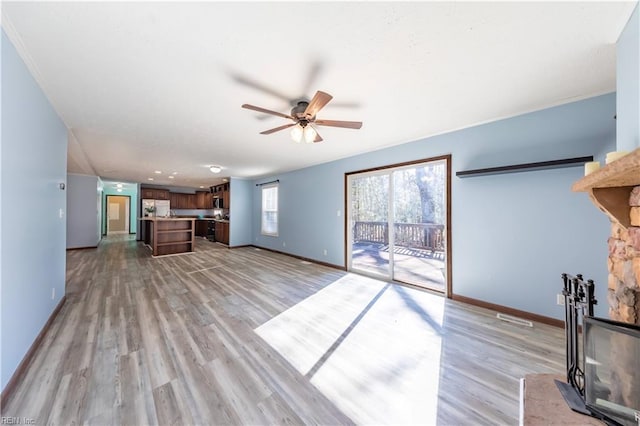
(397, 223)
(369, 216)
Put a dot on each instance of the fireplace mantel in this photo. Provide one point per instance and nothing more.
(609, 188)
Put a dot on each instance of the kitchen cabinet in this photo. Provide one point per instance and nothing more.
(183, 201)
(169, 236)
(191, 202)
(203, 200)
(154, 194)
(178, 200)
(222, 192)
(222, 232)
(201, 228)
(173, 200)
(226, 196)
(217, 191)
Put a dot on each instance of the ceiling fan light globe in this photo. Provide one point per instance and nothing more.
(309, 134)
(296, 133)
(215, 169)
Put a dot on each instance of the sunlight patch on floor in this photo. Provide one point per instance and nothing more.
(371, 347)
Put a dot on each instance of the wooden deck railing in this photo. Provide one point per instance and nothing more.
(419, 235)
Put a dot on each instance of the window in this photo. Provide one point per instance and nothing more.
(270, 210)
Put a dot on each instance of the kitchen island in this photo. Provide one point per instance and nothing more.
(169, 235)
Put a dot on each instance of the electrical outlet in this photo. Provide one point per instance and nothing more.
(284, 244)
(560, 299)
(53, 293)
(325, 252)
(339, 213)
(61, 213)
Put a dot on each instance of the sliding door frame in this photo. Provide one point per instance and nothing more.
(448, 249)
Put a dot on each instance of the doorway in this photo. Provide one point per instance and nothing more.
(117, 214)
(398, 223)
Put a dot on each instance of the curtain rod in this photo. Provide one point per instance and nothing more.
(267, 183)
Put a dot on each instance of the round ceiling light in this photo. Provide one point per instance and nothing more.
(215, 169)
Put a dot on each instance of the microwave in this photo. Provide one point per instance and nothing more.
(218, 203)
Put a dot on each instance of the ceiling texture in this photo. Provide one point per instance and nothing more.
(146, 87)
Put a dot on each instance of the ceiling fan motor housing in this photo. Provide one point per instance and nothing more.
(298, 112)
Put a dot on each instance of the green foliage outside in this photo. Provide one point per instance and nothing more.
(419, 195)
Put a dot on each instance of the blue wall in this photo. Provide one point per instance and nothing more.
(628, 74)
(2, 384)
(34, 163)
(82, 211)
(240, 211)
(133, 216)
(513, 234)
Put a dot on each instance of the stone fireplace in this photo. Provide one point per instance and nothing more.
(624, 265)
(615, 189)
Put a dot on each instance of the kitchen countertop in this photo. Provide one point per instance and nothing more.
(155, 218)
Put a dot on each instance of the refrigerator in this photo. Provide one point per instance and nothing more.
(161, 210)
(162, 207)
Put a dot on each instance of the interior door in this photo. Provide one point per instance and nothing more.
(117, 214)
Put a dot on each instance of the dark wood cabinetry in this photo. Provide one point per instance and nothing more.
(169, 236)
(173, 200)
(226, 197)
(191, 201)
(201, 228)
(155, 194)
(180, 200)
(222, 232)
(203, 200)
(223, 193)
(217, 192)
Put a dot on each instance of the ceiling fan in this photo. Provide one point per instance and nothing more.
(304, 117)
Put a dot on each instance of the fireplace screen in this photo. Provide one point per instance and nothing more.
(612, 370)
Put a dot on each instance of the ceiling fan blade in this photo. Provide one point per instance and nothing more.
(277, 129)
(312, 76)
(318, 137)
(337, 123)
(266, 111)
(320, 99)
(259, 86)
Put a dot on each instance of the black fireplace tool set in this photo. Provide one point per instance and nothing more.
(579, 300)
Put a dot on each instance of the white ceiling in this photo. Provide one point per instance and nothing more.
(158, 85)
(113, 185)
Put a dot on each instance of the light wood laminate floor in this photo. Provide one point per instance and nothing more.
(247, 336)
